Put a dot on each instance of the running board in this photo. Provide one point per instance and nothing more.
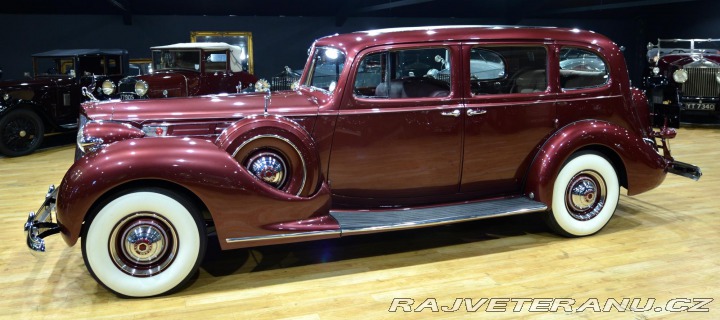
(69, 126)
(375, 221)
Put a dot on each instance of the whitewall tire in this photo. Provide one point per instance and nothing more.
(144, 243)
(585, 195)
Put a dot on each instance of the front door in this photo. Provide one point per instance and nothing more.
(399, 132)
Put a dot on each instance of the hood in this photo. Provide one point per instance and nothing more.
(220, 107)
(679, 60)
(25, 89)
(166, 83)
(24, 83)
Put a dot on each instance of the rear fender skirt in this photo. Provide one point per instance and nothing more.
(239, 203)
(645, 168)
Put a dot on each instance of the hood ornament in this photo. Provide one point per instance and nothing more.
(86, 92)
(263, 85)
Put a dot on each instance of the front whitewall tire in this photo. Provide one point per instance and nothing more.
(183, 244)
(585, 195)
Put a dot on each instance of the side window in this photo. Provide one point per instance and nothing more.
(397, 74)
(215, 61)
(511, 69)
(580, 68)
(113, 65)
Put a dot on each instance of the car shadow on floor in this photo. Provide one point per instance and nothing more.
(220, 263)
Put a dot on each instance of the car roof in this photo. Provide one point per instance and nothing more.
(356, 41)
(80, 52)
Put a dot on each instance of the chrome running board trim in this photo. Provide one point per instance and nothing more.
(355, 222)
(365, 222)
(283, 236)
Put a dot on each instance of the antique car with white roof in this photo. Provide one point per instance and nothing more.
(185, 69)
(371, 140)
(684, 76)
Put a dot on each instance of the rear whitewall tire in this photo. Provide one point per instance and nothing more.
(163, 214)
(585, 195)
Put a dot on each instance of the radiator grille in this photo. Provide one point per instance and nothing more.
(701, 82)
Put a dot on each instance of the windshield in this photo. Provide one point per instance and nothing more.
(176, 59)
(326, 68)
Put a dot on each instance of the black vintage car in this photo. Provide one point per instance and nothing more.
(684, 76)
(49, 100)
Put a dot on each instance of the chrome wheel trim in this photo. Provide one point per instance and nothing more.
(269, 167)
(143, 244)
(274, 136)
(585, 195)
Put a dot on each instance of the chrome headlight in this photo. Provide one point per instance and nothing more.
(656, 70)
(108, 87)
(141, 87)
(680, 76)
(85, 143)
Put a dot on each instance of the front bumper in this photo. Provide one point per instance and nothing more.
(40, 225)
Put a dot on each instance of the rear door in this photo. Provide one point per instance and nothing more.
(510, 111)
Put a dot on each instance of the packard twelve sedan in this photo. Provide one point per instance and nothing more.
(388, 129)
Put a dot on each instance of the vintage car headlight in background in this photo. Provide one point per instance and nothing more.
(108, 87)
(141, 87)
(656, 70)
(680, 76)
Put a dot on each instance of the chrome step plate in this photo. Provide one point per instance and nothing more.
(375, 221)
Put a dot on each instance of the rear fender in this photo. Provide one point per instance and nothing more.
(239, 203)
(631, 156)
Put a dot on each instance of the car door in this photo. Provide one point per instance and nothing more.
(399, 130)
(510, 111)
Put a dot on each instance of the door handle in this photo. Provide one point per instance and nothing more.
(454, 113)
(471, 112)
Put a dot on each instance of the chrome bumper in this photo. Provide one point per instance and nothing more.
(685, 170)
(40, 225)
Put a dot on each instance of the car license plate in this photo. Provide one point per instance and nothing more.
(700, 106)
(127, 96)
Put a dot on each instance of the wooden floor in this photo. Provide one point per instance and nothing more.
(661, 245)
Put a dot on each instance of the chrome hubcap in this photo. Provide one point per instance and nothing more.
(143, 244)
(268, 167)
(585, 195)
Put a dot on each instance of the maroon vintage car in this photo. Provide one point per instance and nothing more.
(389, 129)
(185, 69)
(684, 76)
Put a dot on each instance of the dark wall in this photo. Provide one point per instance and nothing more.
(277, 41)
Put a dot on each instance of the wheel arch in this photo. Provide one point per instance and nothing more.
(129, 186)
(639, 167)
(34, 107)
(235, 137)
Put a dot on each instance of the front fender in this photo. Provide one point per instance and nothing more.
(632, 157)
(239, 203)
